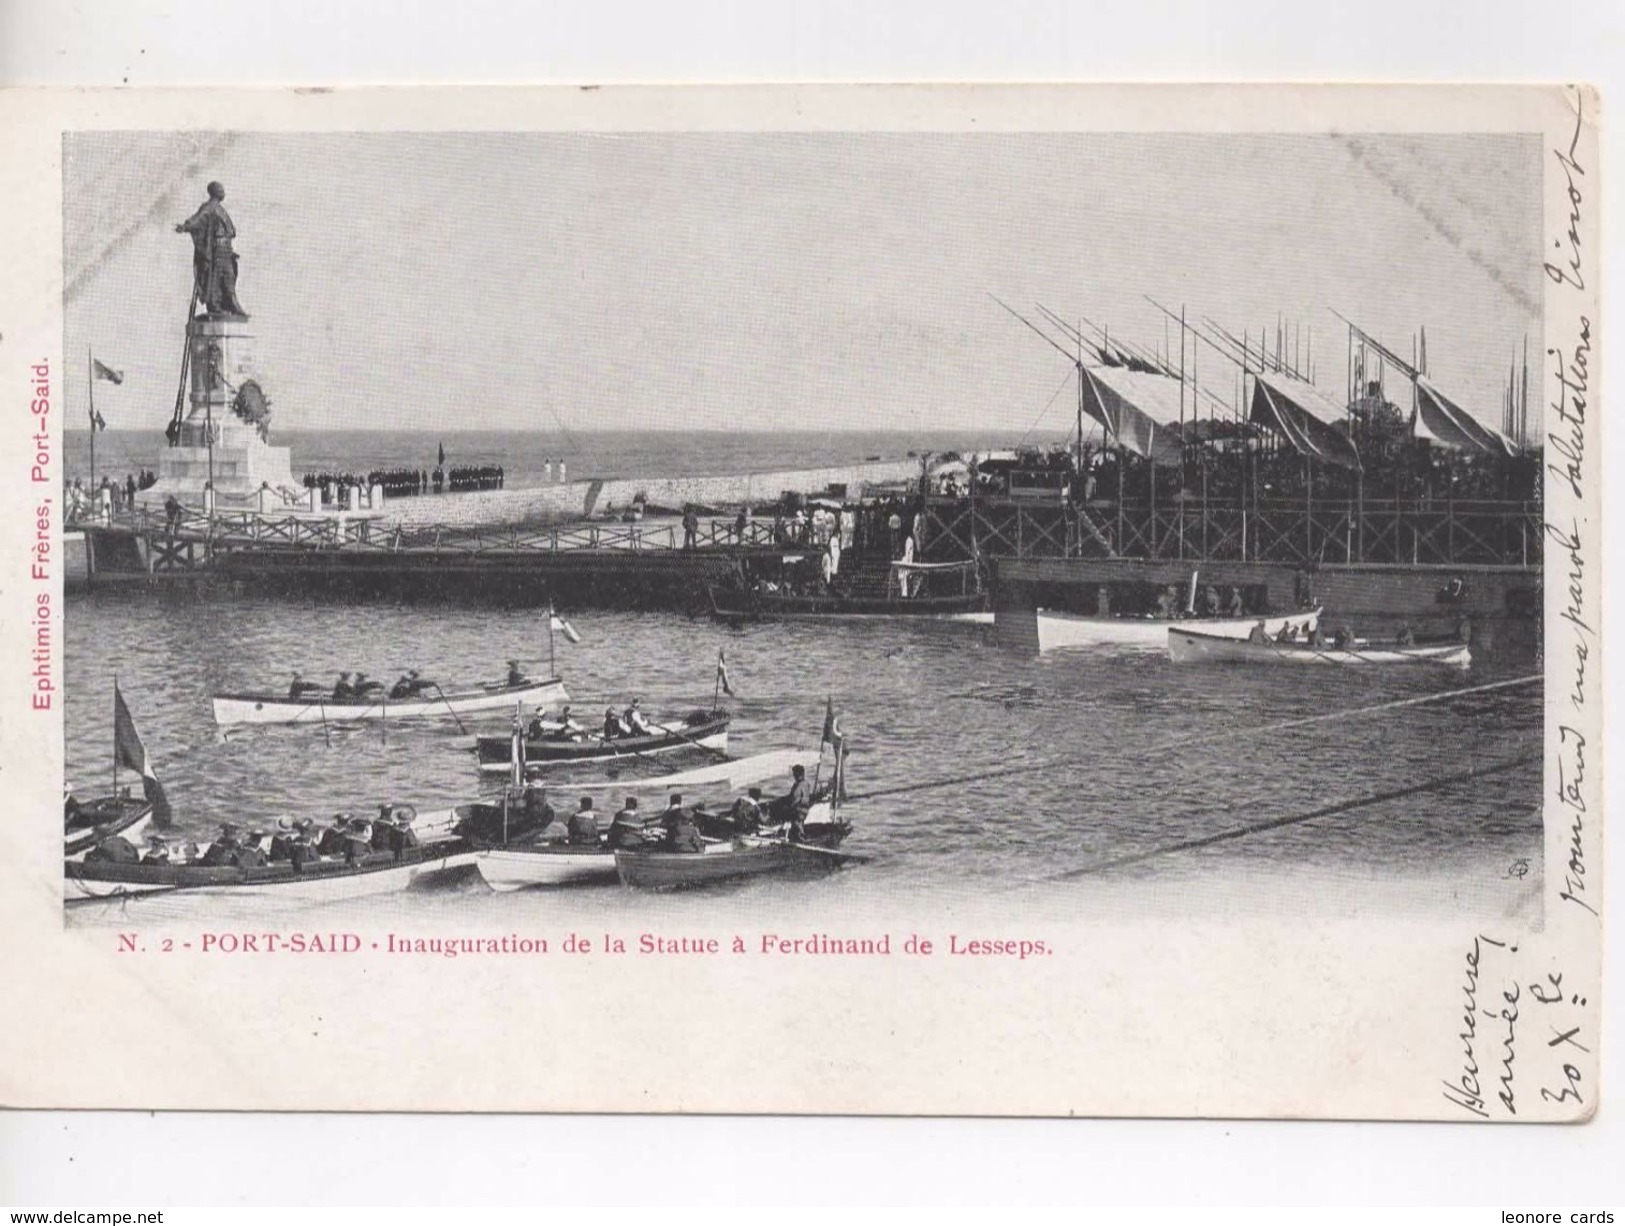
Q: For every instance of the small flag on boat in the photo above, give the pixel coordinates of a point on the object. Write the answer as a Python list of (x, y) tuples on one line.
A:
[(556, 622), (104, 371), (516, 748), (722, 674), (832, 726), (129, 751)]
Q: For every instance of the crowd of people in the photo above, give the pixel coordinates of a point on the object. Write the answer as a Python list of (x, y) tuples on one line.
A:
[(473, 477), (679, 827), (346, 837), (110, 495), (335, 487)]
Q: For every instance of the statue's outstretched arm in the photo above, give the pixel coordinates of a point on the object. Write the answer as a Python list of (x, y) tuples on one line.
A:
[(195, 221)]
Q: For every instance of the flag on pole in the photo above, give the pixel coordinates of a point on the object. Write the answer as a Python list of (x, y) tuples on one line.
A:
[(103, 371), (832, 726), (557, 623), (97, 421), (129, 751), (722, 674), (516, 749)]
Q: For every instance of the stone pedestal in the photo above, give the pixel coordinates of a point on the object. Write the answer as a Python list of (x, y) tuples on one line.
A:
[(242, 463)]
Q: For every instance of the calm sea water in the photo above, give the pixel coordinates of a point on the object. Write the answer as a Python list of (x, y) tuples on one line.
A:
[(524, 456), (1136, 754)]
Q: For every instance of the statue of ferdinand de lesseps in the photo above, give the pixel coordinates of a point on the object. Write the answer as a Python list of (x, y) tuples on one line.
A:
[(214, 263)]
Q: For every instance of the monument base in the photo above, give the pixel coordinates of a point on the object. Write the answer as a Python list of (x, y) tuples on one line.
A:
[(241, 465)]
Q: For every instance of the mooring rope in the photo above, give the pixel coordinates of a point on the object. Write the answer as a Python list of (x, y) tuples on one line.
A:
[(1239, 832), (1004, 772)]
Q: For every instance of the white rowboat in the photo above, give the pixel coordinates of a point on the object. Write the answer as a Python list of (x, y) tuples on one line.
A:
[(518, 868), (1189, 647), (319, 708), (1058, 630)]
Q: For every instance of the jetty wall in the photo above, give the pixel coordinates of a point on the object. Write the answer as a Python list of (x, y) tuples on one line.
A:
[(575, 500)]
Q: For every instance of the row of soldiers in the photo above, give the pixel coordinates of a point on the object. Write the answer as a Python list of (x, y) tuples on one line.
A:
[(680, 827), (293, 842), (474, 477)]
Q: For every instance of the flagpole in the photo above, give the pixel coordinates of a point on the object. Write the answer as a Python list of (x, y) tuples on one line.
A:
[(552, 665), (716, 688), (115, 735), (90, 369)]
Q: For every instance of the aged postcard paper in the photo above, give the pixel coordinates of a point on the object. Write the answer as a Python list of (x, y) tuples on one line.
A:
[(1021, 601)]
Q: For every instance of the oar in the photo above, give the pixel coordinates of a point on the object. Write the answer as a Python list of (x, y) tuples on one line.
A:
[(721, 756), (461, 727)]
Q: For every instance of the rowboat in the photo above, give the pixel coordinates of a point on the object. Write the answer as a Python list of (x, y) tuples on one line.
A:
[(701, 730), (320, 880), (544, 864), (1191, 647), (102, 818), (745, 856), (1058, 630), (323, 708), (736, 605)]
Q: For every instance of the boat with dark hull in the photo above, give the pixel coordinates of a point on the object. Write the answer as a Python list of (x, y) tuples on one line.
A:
[(813, 853), (321, 879), (95, 820), (704, 730)]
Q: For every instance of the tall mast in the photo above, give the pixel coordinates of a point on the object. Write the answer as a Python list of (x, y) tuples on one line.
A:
[(90, 370)]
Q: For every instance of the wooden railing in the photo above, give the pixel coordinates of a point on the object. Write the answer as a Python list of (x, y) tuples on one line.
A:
[(1412, 532), (231, 528)]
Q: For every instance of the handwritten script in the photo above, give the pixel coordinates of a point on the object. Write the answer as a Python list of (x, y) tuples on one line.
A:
[(1516, 1024), (1567, 529)]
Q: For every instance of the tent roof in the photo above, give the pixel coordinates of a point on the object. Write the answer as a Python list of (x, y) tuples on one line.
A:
[(1441, 419), (1141, 409), (1305, 416)]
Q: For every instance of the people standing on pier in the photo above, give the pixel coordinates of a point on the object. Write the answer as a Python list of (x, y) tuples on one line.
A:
[(691, 527)]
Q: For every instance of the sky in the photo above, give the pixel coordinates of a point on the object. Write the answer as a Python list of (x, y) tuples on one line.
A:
[(767, 281)]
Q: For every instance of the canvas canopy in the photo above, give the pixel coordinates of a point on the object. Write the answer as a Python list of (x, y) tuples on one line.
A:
[(1306, 417), (1140, 409), (1441, 419)]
